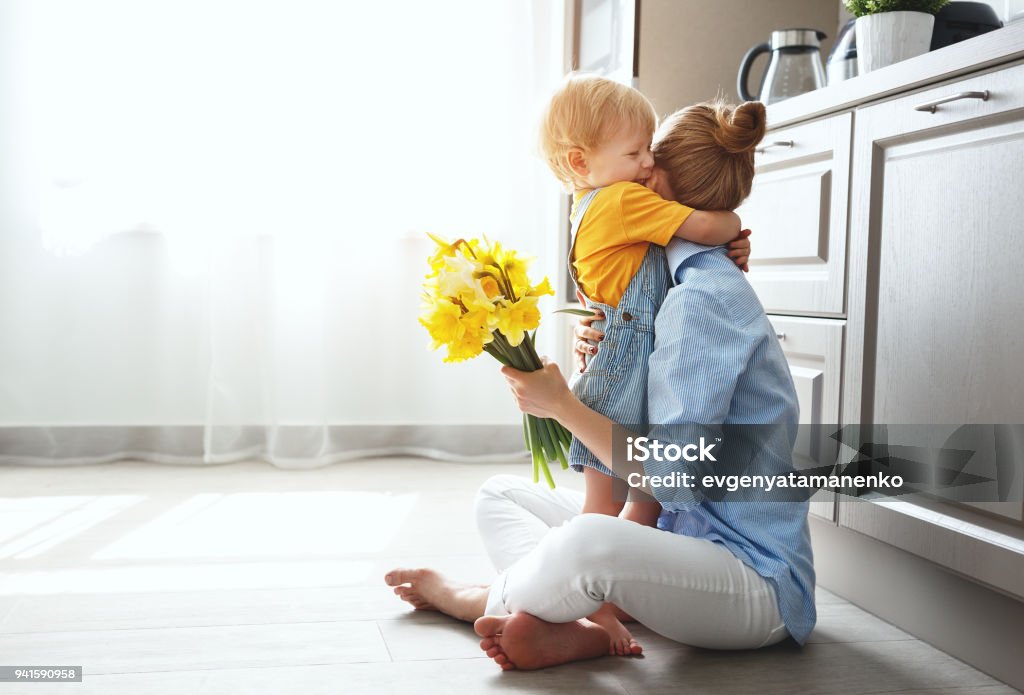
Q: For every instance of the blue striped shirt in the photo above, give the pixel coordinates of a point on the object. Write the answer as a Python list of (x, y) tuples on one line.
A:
[(716, 361)]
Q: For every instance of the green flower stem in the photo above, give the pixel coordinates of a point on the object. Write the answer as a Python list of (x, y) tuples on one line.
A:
[(493, 352), (532, 351), (546, 453), (513, 355), (547, 475), (508, 285), (536, 449), (545, 440), (559, 442), (565, 435), (552, 435)]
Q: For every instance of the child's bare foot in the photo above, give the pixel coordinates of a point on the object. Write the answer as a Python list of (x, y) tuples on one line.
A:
[(428, 590), (522, 641), (621, 642)]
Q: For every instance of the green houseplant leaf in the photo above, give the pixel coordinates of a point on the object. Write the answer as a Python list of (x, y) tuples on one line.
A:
[(859, 8)]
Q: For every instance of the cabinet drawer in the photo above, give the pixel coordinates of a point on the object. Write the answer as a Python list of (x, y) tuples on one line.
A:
[(814, 350), (978, 96), (797, 210)]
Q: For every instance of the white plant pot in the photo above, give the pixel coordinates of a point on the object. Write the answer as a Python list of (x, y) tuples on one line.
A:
[(889, 37)]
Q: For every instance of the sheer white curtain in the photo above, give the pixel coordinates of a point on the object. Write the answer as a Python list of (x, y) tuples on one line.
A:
[(213, 221)]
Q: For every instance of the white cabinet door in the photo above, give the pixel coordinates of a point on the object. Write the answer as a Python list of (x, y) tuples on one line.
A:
[(797, 210), (936, 297), (814, 349)]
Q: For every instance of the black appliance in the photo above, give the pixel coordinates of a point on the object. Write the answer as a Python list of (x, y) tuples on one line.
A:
[(959, 21)]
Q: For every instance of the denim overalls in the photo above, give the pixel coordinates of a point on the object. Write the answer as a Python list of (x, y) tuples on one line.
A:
[(615, 381)]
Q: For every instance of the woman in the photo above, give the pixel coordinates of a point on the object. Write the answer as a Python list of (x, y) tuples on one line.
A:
[(715, 573)]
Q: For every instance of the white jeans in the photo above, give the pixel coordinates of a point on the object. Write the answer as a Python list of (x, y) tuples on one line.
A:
[(561, 565)]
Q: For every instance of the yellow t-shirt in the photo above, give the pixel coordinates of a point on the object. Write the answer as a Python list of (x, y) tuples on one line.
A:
[(622, 221)]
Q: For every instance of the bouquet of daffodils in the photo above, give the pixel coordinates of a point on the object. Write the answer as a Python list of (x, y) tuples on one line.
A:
[(478, 298)]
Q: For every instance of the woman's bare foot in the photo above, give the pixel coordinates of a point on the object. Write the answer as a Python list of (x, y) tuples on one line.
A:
[(525, 642), (621, 641), (427, 590)]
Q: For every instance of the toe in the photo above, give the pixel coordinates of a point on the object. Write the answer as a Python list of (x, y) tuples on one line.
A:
[(490, 625), (401, 576), (487, 642)]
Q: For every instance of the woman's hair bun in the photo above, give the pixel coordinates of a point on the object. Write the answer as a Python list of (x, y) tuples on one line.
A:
[(740, 128)]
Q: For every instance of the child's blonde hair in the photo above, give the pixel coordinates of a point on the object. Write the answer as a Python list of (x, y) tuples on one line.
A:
[(707, 151), (583, 113)]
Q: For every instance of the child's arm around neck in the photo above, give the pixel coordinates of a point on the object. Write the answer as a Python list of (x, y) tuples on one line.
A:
[(707, 227), (710, 227)]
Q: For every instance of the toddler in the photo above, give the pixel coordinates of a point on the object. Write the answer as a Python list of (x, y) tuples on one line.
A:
[(596, 137)]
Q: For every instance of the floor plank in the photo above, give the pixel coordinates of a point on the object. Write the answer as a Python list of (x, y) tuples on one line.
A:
[(833, 669), (478, 676), (190, 648)]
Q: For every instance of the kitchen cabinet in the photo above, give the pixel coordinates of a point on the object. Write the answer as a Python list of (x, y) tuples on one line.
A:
[(921, 290), (936, 293), (929, 328), (813, 348), (798, 205)]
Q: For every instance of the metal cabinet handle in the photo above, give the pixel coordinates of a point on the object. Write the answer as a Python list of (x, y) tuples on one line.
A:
[(933, 106), (780, 336), (778, 143)]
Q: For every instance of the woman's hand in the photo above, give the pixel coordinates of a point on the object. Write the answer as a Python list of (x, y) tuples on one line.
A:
[(739, 250), (586, 339), (543, 393)]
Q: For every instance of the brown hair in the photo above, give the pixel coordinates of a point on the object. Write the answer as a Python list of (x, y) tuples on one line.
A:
[(584, 112), (707, 152)]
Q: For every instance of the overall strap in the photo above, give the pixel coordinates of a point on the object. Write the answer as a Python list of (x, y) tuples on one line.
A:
[(577, 219)]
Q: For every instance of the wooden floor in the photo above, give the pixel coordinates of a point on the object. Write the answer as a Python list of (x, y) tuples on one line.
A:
[(248, 579)]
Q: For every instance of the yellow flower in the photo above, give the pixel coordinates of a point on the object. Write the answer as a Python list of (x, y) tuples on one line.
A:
[(515, 267), (517, 318), (490, 286), (444, 250), (468, 345), (458, 279), (488, 253), (442, 321), (481, 321), (431, 289), (540, 290)]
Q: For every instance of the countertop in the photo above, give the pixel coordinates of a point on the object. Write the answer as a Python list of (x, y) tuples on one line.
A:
[(994, 48)]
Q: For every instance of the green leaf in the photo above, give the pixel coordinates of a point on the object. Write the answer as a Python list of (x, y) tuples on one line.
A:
[(576, 312), (859, 8)]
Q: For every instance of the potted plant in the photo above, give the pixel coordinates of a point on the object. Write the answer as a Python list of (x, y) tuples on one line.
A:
[(889, 31)]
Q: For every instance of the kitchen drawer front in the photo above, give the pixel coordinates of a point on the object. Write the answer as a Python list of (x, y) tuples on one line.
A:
[(797, 210), (814, 350), (953, 102)]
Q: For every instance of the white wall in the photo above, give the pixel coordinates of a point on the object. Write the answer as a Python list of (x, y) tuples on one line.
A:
[(691, 49)]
